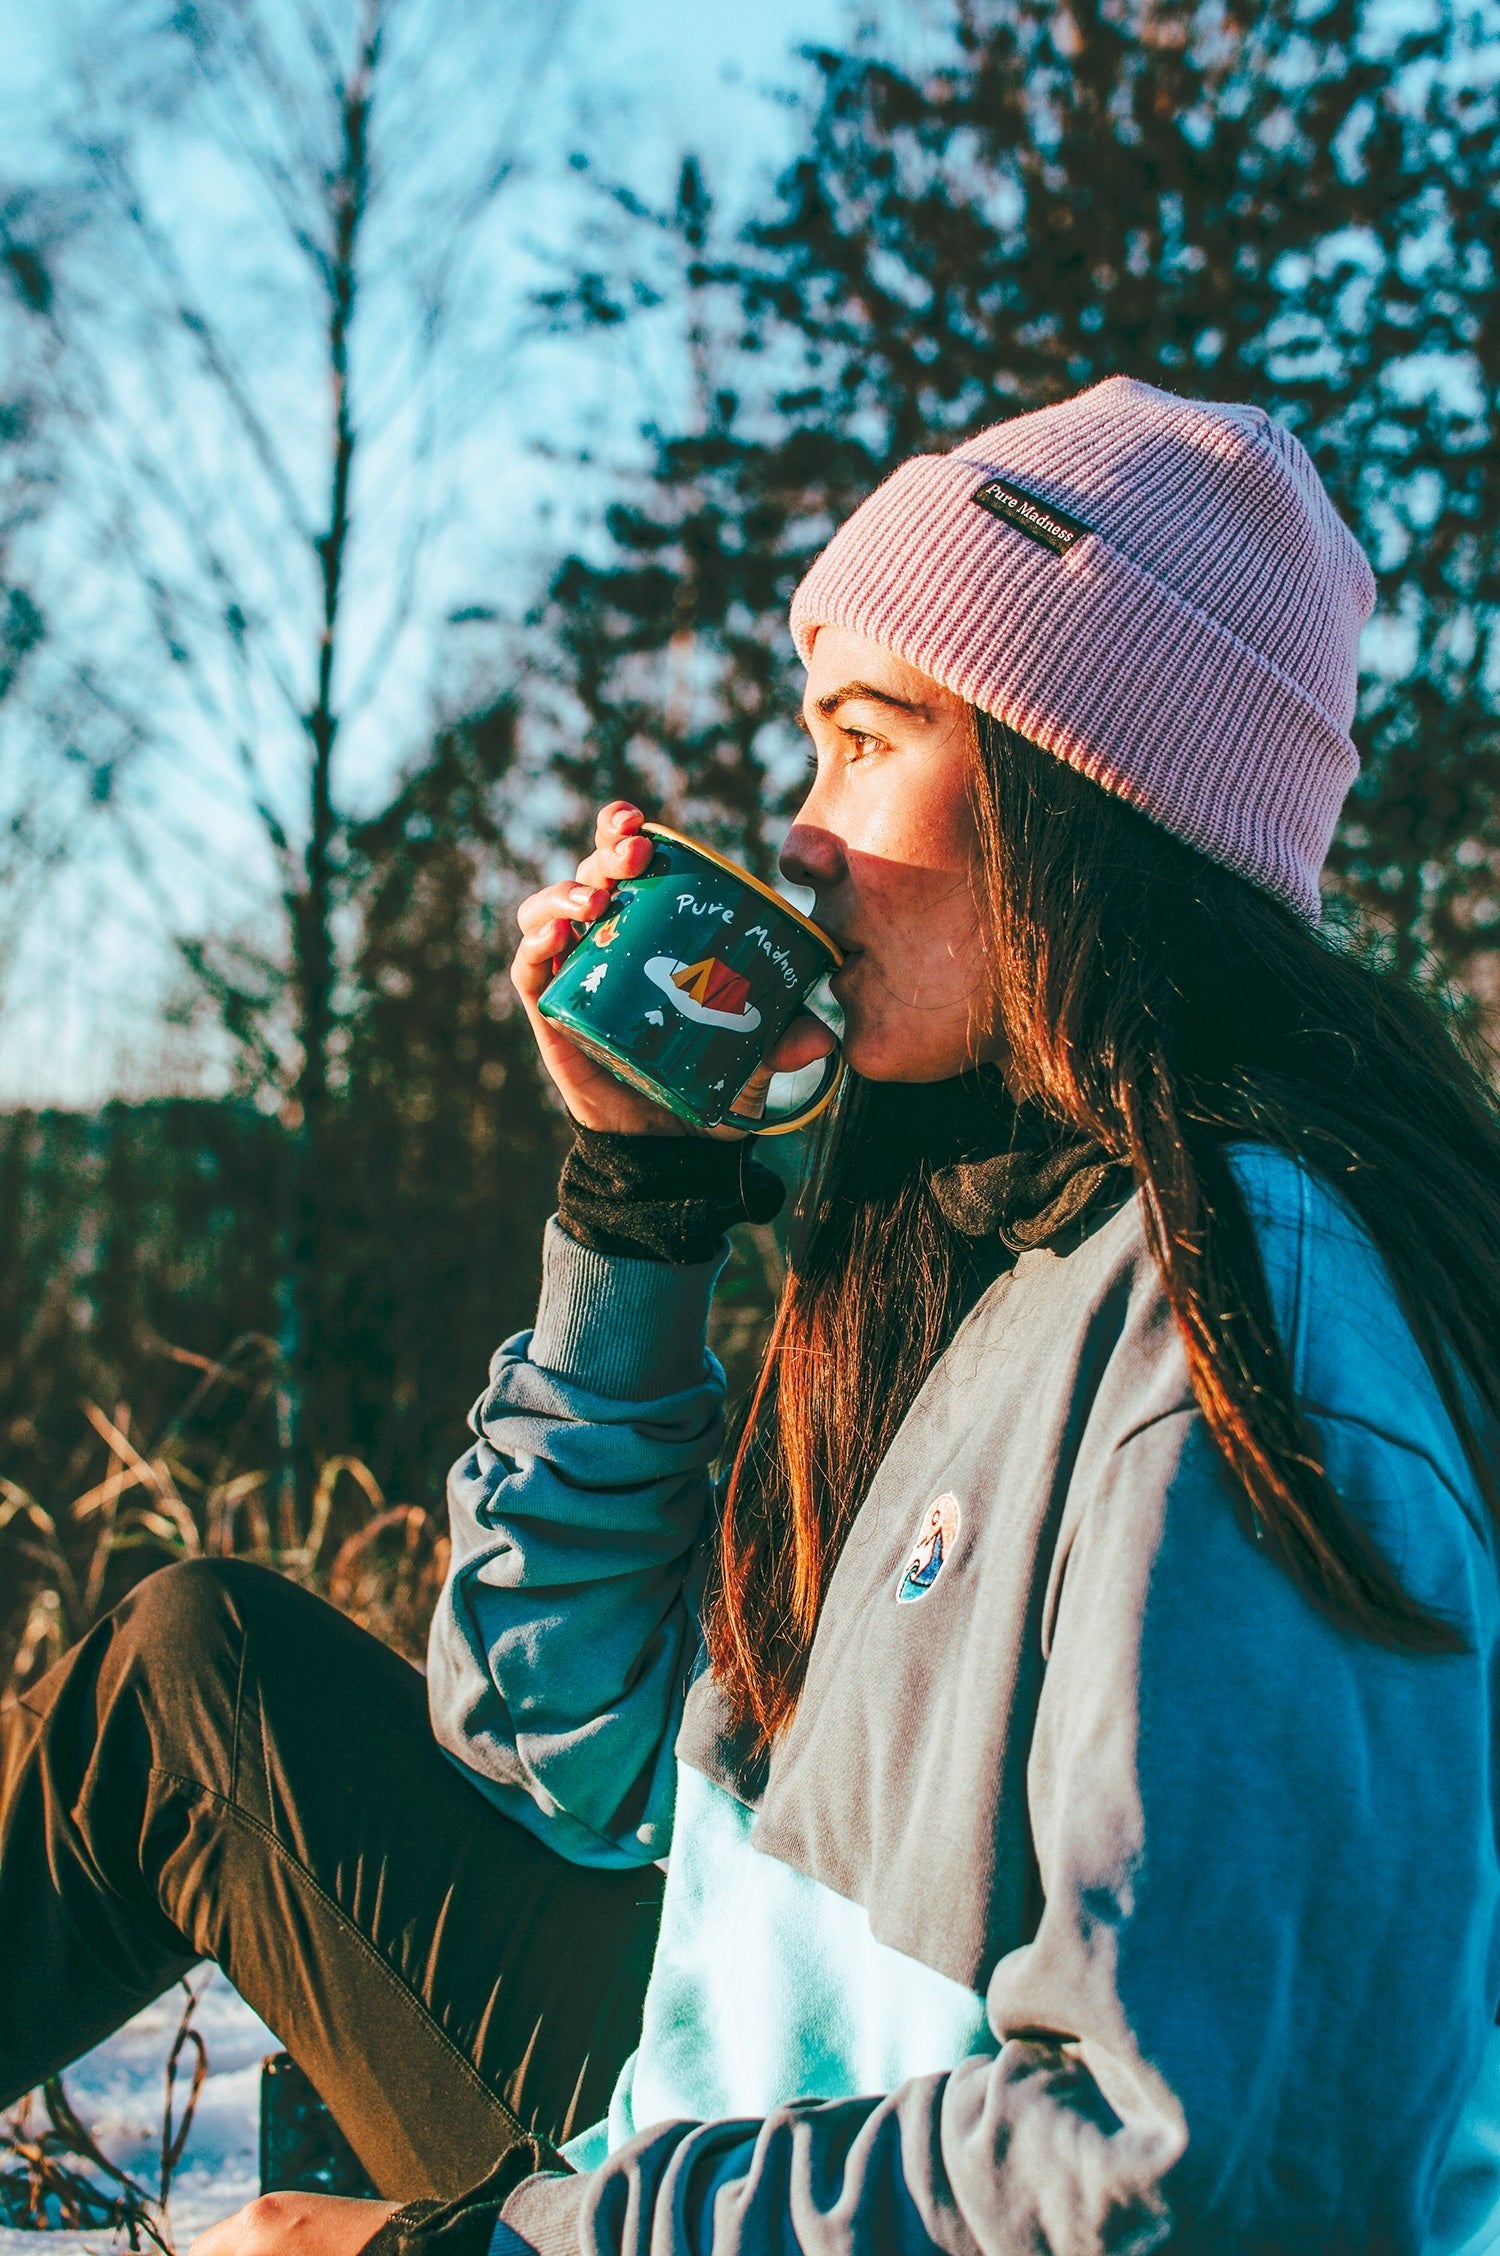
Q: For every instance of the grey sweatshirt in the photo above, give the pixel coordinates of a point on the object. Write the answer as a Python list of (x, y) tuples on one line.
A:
[(1225, 1874)]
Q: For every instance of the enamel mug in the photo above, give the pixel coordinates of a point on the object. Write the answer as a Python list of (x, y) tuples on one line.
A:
[(688, 981)]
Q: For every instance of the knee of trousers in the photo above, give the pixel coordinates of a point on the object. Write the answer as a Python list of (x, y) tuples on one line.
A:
[(185, 1618), (152, 1695)]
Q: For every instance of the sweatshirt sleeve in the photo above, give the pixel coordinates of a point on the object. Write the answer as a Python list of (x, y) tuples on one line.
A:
[(1259, 1990), (566, 1629)]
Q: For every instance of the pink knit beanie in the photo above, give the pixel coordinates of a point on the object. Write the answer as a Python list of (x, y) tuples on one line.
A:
[(1157, 590)]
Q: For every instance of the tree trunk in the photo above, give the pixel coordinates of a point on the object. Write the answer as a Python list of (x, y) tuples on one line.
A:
[(315, 968)]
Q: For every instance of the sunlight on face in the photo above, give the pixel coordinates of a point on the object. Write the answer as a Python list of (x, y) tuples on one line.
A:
[(886, 839)]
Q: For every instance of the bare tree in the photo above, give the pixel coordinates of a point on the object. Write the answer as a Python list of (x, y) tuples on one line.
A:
[(25, 295), (273, 355)]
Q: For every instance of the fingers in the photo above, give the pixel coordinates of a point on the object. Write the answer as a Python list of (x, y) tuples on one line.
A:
[(616, 821), (620, 852), (568, 902), (549, 920)]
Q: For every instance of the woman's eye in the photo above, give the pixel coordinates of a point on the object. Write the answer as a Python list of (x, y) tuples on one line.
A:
[(852, 744)]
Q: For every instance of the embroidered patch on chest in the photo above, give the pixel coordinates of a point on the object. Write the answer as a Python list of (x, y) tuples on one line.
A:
[(936, 1537)]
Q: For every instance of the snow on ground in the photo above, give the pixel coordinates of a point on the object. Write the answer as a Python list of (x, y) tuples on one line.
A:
[(117, 2091)]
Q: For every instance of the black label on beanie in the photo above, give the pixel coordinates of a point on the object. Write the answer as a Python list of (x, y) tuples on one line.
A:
[(1040, 520)]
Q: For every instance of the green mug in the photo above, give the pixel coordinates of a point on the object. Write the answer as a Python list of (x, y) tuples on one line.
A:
[(688, 981)]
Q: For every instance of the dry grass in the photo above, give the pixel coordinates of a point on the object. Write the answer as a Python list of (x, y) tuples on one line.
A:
[(151, 1498), (54, 2176)]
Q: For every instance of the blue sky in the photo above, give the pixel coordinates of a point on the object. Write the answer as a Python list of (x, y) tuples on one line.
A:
[(639, 84)]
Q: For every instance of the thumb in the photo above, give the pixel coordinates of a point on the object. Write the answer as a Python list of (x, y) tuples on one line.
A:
[(805, 1041)]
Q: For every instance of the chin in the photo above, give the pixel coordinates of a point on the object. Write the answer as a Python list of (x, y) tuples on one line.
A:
[(879, 1053), (887, 1041)]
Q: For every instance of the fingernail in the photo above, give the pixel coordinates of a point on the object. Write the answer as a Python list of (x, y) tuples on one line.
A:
[(580, 895)]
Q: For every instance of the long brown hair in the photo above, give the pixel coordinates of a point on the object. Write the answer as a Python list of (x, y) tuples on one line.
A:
[(1164, 1006)]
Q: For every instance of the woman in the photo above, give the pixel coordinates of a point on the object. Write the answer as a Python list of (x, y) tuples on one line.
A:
[(1074, 1725)]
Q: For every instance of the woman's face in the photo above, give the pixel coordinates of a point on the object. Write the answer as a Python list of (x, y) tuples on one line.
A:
[(886, 839)]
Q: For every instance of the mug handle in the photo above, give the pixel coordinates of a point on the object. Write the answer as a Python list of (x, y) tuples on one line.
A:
[(821, 1098)]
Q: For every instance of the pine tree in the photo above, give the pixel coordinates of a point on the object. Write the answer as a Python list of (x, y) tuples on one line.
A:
[(1287, 204)]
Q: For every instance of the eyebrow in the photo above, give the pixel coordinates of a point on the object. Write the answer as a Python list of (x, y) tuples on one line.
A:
[(829, 704)]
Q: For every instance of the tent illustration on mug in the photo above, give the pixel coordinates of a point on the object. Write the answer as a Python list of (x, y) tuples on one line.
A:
[(707, 992)]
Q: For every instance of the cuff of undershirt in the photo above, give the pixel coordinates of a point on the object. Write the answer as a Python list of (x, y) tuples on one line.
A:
[(540, 2218), (628, 1328)]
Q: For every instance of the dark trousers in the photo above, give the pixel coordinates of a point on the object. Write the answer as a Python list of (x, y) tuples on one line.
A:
[(226, 1768)]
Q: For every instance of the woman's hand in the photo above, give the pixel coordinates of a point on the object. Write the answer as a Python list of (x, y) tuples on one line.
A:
[(295, 2224), (593, 1096)]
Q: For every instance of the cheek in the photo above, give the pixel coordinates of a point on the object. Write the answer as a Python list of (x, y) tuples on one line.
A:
[(915, 915), (915, 869), (928, 831)]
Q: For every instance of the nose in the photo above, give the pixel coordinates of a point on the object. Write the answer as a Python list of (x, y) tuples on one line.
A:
[(812, 856)]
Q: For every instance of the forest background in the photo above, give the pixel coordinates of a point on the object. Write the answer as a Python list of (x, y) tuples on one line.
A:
[(297, 698)]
